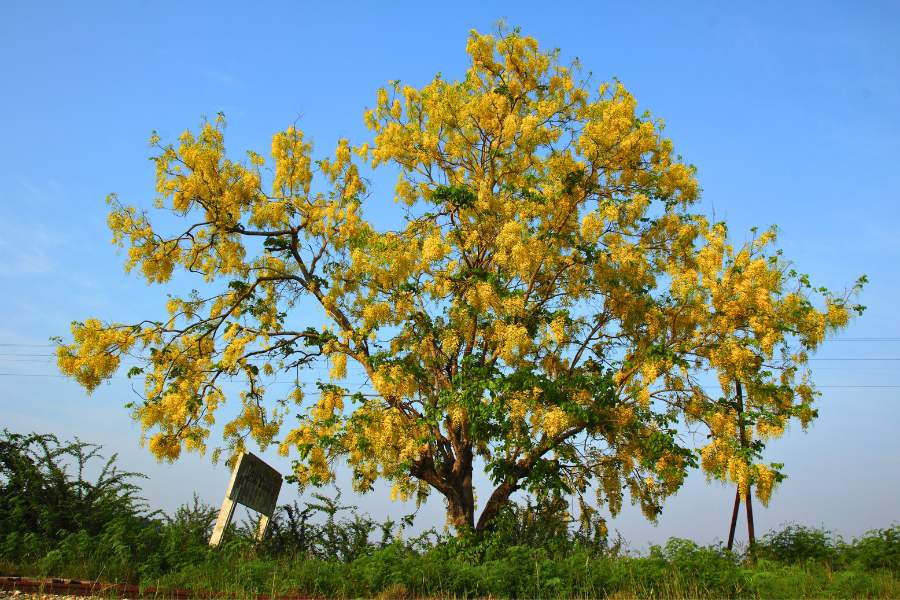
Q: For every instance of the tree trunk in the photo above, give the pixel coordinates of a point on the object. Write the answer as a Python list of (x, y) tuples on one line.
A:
[(455, 485), (454, 482), (751, 533), (734, 516), (495, 503), (461, 504)]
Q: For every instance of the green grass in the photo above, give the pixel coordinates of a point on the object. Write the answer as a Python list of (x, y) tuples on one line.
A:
[(56, 523), (453, 569)]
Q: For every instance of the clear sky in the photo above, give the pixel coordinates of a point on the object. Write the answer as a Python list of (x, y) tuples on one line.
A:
[(791, 114)]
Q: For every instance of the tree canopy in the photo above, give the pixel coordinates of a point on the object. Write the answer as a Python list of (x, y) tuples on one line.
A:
[(551, 306)]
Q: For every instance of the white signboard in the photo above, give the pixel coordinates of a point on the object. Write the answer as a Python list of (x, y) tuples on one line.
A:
[(253, 484)]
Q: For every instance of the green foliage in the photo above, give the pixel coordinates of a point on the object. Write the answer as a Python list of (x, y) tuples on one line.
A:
[(45, 492), (324, 528), (795, 544), (878, 549), (324, 548), (537, 523)]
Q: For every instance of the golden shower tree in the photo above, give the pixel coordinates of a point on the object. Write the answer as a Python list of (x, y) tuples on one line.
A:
[(548, 306)]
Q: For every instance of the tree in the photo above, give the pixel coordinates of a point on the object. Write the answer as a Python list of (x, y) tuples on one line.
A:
[(761, 390), (549, 304)]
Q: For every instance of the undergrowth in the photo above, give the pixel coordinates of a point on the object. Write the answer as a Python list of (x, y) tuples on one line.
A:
[(54, 522)]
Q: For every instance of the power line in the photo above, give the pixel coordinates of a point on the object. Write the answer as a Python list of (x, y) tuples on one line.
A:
[(848, 386), (865, 339), (864, 359), (857, 387), (841, 339), (259, 358), (130, 362)]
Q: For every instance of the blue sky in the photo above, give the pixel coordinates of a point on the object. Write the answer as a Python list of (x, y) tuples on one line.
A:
[(791, 114)]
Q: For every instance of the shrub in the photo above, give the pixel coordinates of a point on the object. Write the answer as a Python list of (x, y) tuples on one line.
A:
[(44, 489), (878, 549), (795, 544), (324, 548)]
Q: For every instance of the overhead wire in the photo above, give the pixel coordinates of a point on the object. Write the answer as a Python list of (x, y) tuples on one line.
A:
[(277, 381), (32, 357)]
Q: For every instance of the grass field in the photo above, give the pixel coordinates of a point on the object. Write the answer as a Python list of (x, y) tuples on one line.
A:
[(792, 563), (53, 525)]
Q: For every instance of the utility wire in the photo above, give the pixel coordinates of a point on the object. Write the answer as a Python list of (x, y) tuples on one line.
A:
[(263, 358), (834, 387), (841, 339)]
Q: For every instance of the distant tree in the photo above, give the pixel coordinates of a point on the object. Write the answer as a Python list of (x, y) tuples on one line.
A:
[(549, 304), (765, 384)]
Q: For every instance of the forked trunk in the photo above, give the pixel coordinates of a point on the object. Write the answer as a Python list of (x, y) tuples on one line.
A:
[(461, 514), (461, 504), (495, 504), (460, 498)]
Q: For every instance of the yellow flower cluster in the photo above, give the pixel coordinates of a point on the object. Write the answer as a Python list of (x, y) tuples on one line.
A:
[(555, 421), (547, 235), (95, 352)]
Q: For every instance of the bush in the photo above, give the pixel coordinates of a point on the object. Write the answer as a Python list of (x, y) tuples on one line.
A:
[(796, 544), (39, 494), (878, 549), (324, 548)]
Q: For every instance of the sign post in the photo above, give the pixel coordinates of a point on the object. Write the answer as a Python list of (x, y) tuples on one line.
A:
[(253, 484)]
